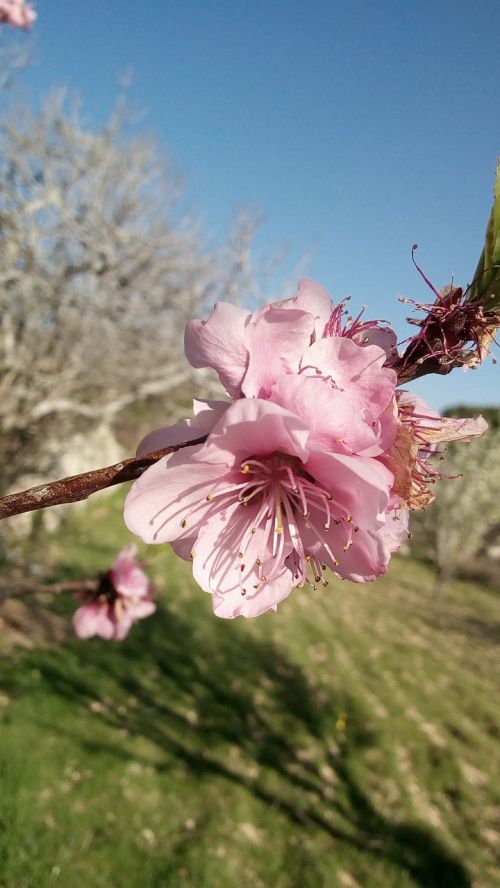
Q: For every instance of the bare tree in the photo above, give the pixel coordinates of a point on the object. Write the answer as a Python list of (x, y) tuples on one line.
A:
[(99, 271)]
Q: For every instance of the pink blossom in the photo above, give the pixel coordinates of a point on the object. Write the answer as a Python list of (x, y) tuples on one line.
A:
[(260, 508), (250, 352), (299, 354), (17, 13), (314, 467), (122, 596)]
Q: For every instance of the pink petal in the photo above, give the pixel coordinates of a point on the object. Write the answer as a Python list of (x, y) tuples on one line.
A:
[(183, 548), (156, 506), (358, 371), (236, 582), (253, 426), (334, 419), (219, 342), (382, 337), (139, 610), (360, 556), (358, 484), (93, 619), (122, 627), (232, 605), (313, 298), (276, 339), (206, 414), (127, 575)]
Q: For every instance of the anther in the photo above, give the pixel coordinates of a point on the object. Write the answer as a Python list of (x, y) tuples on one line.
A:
[(183, 523)]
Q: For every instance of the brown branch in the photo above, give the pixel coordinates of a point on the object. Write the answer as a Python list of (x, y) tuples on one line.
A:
[(79, 487), (9, 590)]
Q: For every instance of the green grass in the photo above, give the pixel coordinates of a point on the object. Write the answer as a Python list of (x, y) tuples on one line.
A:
[(350, 740)]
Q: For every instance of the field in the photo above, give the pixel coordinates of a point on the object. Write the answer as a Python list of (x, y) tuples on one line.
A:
[(350, 740)]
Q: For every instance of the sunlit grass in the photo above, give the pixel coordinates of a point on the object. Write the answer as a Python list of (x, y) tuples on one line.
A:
[(349, 740)]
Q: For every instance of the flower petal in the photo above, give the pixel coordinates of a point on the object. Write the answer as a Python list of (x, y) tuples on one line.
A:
[(313, 298), (276, 339), (219, 342), (357, 370), (359, 485), (335, 420), (93, 619), (252, 427), (206, 414), (157, 505), (246, 584)]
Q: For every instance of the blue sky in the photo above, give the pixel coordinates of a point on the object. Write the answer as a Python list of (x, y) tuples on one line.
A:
[(357, 128)]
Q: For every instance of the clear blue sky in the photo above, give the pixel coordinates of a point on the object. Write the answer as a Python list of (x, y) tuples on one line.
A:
[(358, 128)]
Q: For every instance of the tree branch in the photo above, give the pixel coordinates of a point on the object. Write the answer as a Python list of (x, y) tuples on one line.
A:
[(11, 590), (79, 487)]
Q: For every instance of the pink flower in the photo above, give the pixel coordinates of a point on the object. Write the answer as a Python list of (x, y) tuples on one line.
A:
[(122, 596), (298, 354), (250, 352), (260, 508), (17, 13), (313, 467)]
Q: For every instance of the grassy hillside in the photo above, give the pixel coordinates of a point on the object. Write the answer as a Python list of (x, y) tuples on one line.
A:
[(350, 740)]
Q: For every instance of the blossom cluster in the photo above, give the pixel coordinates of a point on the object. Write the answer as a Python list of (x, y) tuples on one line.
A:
[(17, 13), (121, 597), (310, 468)]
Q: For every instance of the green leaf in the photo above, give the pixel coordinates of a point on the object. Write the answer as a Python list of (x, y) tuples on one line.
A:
[(486, 284)]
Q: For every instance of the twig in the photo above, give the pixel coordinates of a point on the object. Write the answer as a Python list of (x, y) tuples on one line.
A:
[(8, 590), (79, 487)]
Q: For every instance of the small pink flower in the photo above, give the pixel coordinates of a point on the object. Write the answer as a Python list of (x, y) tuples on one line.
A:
[(122, 596), (17, 13), (259, 508)]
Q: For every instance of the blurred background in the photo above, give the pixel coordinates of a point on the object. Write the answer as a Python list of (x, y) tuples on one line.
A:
[(154, 159)]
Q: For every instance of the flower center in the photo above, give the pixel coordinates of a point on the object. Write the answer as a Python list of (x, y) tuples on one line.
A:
[(288, 505)]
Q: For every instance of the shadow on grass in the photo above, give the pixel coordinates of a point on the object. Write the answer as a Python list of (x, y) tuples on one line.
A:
[(195, 691)]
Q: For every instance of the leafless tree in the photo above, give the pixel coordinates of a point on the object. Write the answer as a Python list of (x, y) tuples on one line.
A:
[(99, 270)]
